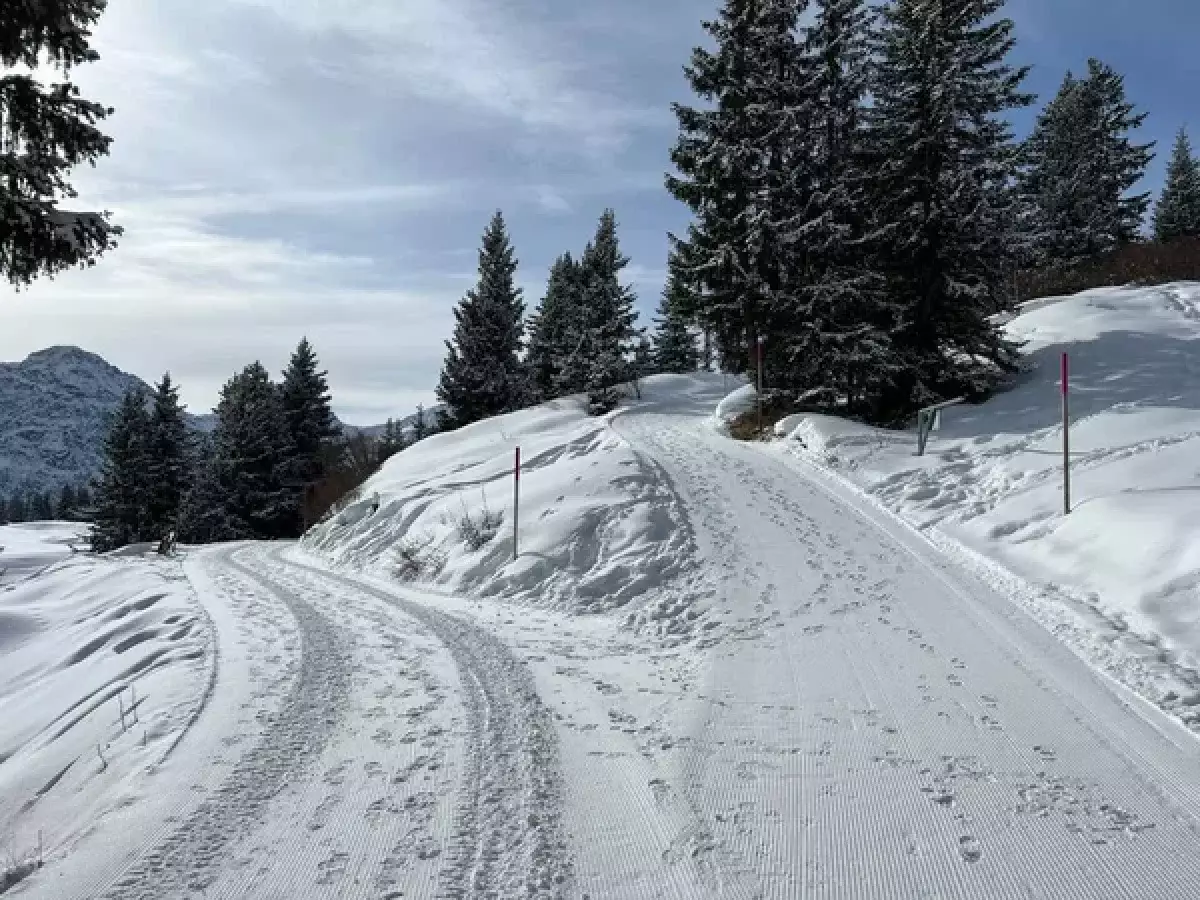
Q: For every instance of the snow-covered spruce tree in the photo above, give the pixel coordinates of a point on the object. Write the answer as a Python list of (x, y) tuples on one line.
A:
[(743, 163), (1078, 167), (1178, 211), (253, 451), (204, 512), (553, 329), (123, 491), (942, 160), (674, 344), (609, 318), (168, 460), (483, 375), (421, 428), (66, 503), (839, 350), (47, 128), (311, 424)]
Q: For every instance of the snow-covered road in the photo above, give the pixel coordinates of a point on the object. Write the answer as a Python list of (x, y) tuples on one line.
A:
[(883, 726), (854, 717)]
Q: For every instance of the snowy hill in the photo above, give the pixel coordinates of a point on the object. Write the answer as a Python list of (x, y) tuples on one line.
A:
[(1119, 578), (53, 411)]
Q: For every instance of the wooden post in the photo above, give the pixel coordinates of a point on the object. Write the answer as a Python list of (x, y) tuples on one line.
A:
[(516, 499), (1066, 416)]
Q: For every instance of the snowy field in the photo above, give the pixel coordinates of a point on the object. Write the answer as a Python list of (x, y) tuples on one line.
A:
[(814, 667)]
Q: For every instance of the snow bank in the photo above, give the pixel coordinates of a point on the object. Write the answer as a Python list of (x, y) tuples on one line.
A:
[(73, 639), (733, 406), (599, 527), (992, 479)]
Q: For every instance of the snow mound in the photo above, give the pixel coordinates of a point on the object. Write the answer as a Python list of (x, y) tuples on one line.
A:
[(1126, 561), (599, 527), (77, 640), (733, 406)]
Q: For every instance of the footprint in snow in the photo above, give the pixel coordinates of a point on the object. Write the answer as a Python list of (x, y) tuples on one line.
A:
[(969, 849)]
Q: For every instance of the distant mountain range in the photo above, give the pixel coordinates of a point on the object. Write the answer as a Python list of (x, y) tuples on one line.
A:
[(54, 412)]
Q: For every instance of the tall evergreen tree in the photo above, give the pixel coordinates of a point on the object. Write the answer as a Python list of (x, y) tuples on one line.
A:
[(66, 503), (17, 510), (3, 510), (122, 491), (942, 160), (205, 515), (83, 500), (1078, 167), (310, 420), (674, 345), (554, 330), (252, 453), (482, 375), (420, 426), (743, 159), (610, 334), (1178, 212), (46, 129), (168, 460)]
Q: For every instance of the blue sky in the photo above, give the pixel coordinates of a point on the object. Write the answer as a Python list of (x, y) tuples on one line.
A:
[(325, 167)]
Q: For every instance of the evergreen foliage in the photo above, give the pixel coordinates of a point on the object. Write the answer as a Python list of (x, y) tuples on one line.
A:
[(253, 450), (47, 128), (168, 460), (204, 514), (942, 162), (554, 331), (3, 510), (609, 335), (421, 427), (17, 510), (482, 375), (1078, 167), (1178, 211), (312, 426), (674, 345), (122, 491), (67, 503)]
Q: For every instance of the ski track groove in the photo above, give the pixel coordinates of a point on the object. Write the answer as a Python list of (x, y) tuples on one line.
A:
[(191, 857), (508, 837)]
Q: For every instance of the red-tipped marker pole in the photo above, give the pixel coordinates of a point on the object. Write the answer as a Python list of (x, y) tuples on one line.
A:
[(516, 497), (1066, 413)]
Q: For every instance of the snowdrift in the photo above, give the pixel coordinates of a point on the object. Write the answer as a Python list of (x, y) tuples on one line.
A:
[(1127, 558), (78, 637), (599, 527)]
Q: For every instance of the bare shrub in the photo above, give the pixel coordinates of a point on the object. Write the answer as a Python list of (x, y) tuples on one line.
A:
[(416, 557), (478, 533)]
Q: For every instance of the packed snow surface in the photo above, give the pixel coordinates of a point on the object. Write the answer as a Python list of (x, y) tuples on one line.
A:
[(715, 670)]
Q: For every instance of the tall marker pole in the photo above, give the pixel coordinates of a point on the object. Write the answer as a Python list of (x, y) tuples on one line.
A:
[(1066, 413), (760, 384), (516, 498)]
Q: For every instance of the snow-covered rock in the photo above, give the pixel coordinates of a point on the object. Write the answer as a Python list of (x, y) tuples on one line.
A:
[(734, 406)]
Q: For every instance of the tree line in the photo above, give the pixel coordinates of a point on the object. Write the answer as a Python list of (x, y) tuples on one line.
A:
[(860, 202), (275, 462), (71, 503), (582, 338)]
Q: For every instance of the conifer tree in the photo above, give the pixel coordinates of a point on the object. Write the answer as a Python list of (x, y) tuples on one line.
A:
[(3, 510), (83, 499), (1078, 167), (252, 449), (66, 503), (554, 331), (311, 423), (17, 511), (482, 375), (609, 317), (1178, 212), (743, 162), (122, 491), (46, 129), (941, 192), (420, 426), (168, 460), (204, 512), (674, 345)]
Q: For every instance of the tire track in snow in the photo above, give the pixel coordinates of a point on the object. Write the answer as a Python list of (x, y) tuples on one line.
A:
[(191, 857), (508, 838)]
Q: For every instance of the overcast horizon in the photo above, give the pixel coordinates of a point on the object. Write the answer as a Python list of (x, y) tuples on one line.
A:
[(289, 168)]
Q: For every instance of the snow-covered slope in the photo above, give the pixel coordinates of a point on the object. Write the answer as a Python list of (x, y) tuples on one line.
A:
[(1119, 577), (599, 527), (79, 638)]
